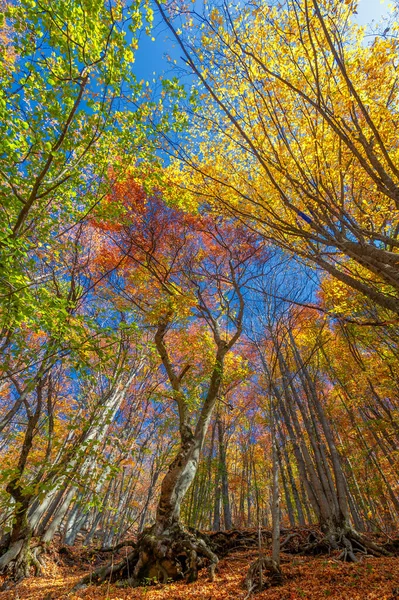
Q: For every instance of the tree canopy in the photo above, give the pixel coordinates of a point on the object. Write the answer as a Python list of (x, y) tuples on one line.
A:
[(198, 289)]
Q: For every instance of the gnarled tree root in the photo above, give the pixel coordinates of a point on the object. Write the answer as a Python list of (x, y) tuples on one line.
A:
[(263, 573), (169, 555), (349, 543), (20, 559), (224, 542)]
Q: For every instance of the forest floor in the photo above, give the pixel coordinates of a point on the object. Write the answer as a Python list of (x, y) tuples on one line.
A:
[(305, 577)]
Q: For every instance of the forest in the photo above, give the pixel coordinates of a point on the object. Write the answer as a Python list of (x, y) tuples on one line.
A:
[(199, 300)]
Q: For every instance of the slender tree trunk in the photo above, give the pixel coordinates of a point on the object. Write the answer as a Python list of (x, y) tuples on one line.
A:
[(224, 476), (295, 493), (275, 490), (154, 479), (59, 515), (287, 495), (216, 508)]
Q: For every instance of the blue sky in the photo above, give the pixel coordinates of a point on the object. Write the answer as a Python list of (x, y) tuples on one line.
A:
[(369, 10)]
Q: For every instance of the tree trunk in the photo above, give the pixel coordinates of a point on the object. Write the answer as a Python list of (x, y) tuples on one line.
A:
[(275, 492), (216, 505), (15, 560), (223, 476)]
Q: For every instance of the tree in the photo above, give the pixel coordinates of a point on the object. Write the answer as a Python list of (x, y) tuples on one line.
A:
[(179, 269), (296, 382), (69, 100), (42, 474)]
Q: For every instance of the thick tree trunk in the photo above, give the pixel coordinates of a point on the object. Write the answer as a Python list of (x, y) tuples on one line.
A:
[(166, 551), (177, 480), (15, 560), (20, 555)]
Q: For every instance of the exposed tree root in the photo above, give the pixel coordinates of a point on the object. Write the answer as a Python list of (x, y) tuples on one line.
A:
[(158, 557), (349, 543), (20, 559), (109, 572), (263, 573), (224, 542)]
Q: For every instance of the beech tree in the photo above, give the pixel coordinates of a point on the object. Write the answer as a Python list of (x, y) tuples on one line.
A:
[(50, 466), (62, 117), (178, 269)]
